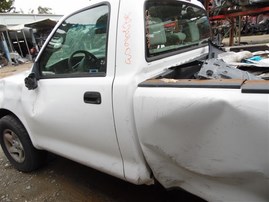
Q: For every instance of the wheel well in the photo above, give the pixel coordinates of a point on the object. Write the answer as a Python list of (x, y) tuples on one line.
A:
[(4, 112)]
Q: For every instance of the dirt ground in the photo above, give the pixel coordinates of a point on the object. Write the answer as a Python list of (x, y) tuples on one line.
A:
[(10, 70), (62, 180)]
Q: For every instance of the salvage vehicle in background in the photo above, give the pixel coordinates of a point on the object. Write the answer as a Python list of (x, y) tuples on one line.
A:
[(134, 89)]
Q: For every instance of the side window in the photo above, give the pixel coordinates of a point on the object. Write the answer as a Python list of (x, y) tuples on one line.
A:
[(79, 46), (174, 26)]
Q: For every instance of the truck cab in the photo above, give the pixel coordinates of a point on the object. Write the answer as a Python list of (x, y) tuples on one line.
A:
[(94, 60)]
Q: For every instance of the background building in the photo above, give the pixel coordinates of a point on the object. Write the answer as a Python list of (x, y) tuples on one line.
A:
[(22, 35)]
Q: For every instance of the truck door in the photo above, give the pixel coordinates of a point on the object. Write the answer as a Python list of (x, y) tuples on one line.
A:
[(70, 112)]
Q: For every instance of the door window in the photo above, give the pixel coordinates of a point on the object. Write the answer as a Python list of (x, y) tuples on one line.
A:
[(79, 45)]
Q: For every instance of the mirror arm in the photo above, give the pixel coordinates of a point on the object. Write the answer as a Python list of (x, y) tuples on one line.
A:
[(36, 71)]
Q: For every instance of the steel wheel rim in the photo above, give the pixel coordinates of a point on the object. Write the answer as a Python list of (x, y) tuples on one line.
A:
[(14, 146)]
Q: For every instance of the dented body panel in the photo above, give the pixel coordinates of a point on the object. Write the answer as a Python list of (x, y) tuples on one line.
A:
[(211, 141)]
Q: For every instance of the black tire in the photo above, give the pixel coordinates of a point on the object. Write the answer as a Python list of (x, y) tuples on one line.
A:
[(18, 147)]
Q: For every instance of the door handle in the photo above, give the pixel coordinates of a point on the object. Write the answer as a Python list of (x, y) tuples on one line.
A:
[(92, 98)]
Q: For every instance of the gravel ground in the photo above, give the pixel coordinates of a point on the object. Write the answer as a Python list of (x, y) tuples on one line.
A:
[(62, 180)]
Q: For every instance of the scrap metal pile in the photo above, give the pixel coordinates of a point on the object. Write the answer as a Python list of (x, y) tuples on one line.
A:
[(244, 65)]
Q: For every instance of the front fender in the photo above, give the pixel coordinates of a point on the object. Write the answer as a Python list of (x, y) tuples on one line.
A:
[(12, 90)]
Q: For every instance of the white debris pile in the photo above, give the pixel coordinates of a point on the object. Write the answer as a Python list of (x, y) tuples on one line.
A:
[(259, 58), (17, 59)]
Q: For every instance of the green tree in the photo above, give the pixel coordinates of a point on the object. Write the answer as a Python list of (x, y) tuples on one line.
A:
[(6, 6), (44, 10)]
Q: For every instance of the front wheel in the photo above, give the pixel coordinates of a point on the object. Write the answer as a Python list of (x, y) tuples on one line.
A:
[(17, 145)]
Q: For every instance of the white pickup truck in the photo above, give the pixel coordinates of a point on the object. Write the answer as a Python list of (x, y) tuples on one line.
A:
[(118, 87)]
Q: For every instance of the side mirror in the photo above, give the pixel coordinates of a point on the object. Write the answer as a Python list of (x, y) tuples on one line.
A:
[(31, 81)]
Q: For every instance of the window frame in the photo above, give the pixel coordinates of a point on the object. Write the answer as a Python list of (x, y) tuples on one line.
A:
[(80, 74)]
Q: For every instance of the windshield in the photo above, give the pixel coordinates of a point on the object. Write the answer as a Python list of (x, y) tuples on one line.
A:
[(173, 26)]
